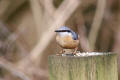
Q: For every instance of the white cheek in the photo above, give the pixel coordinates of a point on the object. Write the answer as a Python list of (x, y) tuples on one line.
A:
[(62, 34)]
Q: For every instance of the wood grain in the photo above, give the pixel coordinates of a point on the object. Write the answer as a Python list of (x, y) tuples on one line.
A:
[(100, 67)]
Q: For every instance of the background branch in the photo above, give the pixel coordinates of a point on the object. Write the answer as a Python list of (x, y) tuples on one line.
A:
[(15, 72), (49, 6), (37, 10), (7, 7), (101, 5)]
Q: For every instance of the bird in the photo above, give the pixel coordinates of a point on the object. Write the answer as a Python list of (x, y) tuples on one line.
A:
[(67, 39)]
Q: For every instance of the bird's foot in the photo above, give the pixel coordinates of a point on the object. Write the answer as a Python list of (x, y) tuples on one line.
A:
[(75, 51)]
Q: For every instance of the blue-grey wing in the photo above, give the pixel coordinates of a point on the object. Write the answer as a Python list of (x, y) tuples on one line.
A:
[(75, 35)]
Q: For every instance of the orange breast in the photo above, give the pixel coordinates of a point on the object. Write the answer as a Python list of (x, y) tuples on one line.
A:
[(67, 42)]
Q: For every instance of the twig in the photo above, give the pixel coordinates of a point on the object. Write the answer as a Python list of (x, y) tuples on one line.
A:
[(84, 44), (83, 38), (101, 5), (8, 66), (13, 36), (49, 7), (37, 9), (116, 45), (7, 7)]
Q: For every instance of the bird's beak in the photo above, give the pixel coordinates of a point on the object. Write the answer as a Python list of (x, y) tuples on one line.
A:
[(57, 30)]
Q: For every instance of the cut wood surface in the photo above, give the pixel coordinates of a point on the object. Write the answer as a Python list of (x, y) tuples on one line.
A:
[(95, 67)]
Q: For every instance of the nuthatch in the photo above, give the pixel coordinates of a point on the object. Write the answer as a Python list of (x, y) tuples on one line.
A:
[(67, 38)]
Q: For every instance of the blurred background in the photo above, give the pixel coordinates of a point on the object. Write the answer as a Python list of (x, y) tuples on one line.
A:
[(27, 34)]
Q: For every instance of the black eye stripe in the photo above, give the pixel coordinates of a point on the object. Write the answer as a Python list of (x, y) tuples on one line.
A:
[(62, 31)]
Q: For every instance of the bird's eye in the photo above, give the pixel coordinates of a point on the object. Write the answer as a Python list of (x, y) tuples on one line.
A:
[(68, 31)]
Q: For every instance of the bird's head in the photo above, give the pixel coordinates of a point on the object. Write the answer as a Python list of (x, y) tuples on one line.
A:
[(63, 31)]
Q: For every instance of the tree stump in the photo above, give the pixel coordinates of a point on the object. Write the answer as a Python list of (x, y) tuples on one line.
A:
[(102, 66)]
